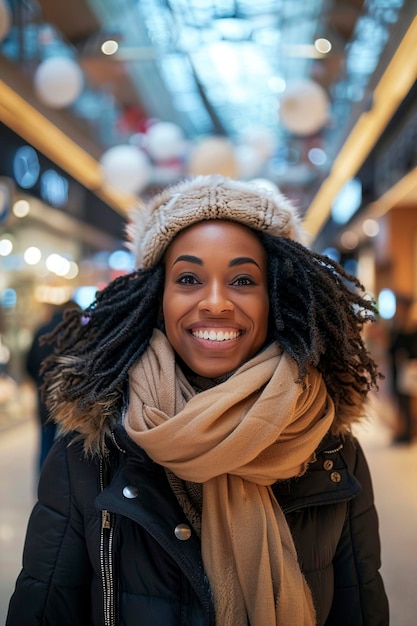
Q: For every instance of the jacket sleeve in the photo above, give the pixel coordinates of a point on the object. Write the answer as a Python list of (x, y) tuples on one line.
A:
[(54, 584), (359, 595)]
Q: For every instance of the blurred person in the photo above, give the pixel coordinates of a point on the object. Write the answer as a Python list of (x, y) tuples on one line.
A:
[(37, 353), (205, 473), (8, 386), (4, 350), (402, 346)]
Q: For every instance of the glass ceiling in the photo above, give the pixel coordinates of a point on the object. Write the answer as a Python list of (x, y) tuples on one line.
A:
[(224, 64), (221, 67)]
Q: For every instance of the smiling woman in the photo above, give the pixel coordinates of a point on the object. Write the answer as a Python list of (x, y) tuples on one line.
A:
[(215, 306), (206, 473)]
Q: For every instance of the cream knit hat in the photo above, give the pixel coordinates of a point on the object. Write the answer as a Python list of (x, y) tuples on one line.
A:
[(154, 226)]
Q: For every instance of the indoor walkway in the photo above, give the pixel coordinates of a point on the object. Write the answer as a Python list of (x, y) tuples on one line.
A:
[(394, 470)]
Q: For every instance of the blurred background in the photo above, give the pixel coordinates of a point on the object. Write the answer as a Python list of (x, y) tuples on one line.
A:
[(105, 102)]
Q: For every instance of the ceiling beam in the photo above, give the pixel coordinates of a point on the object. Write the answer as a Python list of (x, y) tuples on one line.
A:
[(391, 90)]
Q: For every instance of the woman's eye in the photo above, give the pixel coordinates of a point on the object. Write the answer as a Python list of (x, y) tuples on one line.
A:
[(187, 279), (242, 281)]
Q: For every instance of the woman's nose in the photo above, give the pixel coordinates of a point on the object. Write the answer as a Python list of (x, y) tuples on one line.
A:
[(215, 300)]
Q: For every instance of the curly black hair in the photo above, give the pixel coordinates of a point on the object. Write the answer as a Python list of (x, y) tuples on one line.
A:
[(317, 312)]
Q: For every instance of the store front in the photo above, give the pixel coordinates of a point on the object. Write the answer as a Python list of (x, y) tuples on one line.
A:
[(58, 241)]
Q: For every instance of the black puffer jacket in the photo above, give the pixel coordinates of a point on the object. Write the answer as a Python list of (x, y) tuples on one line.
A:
[(108, 543)]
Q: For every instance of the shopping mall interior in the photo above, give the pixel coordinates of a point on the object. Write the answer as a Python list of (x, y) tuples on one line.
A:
[(103, 103)]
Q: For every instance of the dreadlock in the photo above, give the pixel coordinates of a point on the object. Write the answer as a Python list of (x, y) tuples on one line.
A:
[(317, 312), (95, 348)]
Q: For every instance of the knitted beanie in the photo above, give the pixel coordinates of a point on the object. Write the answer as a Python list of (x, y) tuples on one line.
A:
[(154, 226)]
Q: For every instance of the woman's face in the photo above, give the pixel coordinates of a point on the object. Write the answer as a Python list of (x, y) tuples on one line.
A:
[(215, 302)]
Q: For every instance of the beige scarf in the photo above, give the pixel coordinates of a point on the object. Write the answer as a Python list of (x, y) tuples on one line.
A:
[(236, 438)]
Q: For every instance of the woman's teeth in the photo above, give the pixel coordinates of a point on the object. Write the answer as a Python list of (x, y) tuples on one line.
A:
[(213, 335)]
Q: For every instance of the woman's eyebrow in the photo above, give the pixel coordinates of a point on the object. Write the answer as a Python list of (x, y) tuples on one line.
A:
[(241, 260), (189, 258)]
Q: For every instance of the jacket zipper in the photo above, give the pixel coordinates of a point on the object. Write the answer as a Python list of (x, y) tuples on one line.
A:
[(106, 561)]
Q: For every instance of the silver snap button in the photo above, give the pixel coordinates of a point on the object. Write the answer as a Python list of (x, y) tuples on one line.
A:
[(182, 532), (130, 491)]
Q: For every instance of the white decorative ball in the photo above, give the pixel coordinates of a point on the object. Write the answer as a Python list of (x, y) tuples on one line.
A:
[(58, 82), (213, 155), (126, 168), (165, 141), (249, 161), (304, 107)]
